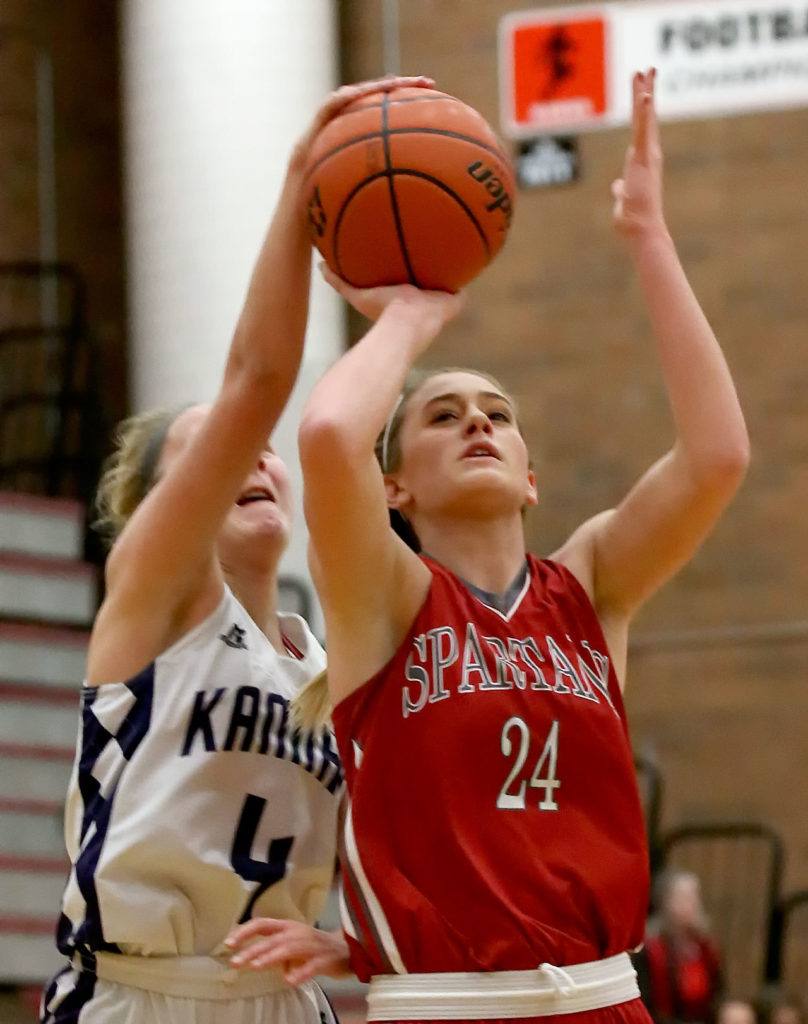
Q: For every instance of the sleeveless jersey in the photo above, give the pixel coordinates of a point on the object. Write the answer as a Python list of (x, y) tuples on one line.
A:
[(192, 804), (494, 821)]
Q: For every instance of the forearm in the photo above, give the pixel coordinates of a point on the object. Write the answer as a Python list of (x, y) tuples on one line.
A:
[(268, 341), (709, 423)]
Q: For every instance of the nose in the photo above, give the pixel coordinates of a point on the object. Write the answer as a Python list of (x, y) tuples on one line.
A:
[(478, 420), (263, 461)]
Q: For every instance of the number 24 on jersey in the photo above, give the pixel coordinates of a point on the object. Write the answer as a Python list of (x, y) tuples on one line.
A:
[(515, 741)]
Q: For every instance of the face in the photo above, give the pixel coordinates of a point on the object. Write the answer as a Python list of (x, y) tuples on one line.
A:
[(785, 1015), (736, 1012), (259, 521), (461, 452), (683, 902)]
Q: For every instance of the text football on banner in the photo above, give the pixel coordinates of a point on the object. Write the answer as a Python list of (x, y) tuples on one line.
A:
[(567, 69)]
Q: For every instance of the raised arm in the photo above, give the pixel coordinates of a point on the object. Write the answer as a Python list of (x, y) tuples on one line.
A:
[(624, 555), (369, 582), (164, 564)]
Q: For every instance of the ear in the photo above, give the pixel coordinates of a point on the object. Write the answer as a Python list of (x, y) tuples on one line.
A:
[(531, 493), (397, 497)]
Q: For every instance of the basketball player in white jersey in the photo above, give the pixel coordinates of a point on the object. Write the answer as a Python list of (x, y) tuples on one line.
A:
[(194, 804)]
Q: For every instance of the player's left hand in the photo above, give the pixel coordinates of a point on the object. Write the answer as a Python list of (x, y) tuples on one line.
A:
[(638, 194), (299, 951)]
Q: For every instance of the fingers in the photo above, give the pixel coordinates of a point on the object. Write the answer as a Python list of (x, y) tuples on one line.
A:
[(305, 972), (390, 82), (334, 280), (348, 94), (297, 950), (258, 926), (645, 136), (264, 953)]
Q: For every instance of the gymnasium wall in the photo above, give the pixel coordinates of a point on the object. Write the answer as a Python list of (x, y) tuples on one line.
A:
[(82, 39), (718, 688)]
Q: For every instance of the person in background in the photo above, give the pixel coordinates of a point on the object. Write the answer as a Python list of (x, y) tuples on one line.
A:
[(779, 1006), (736, 1011), (680, 966)]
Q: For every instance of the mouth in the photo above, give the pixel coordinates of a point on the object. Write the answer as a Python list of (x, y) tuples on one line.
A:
[(255, 494), (481, 450)]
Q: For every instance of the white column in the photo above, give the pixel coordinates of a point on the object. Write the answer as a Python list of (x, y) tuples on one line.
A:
[(215, 93)]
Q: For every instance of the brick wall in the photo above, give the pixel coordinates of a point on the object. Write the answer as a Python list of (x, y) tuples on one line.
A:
[(82, 40), (559, 319)]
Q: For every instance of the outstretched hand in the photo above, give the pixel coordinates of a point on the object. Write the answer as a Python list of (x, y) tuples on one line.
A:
[(638, 194), (345, 95), (299, 951)]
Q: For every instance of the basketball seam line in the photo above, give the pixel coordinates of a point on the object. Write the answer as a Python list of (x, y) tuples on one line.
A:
[(495, 151), (415, 174), (393, 198), (450, 192)]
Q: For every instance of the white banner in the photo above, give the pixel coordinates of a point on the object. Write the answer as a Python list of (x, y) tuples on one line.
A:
[(568, 69)]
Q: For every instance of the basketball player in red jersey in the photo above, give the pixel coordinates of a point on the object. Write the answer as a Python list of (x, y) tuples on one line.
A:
[(494, 852)]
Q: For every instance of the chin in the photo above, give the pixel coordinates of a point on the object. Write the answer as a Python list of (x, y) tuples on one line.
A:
[(271, 531)]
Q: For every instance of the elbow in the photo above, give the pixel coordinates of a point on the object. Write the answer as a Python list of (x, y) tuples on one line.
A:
[(732, 461), (723, 469), (323, 438)]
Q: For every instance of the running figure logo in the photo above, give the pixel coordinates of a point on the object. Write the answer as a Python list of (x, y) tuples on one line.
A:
[(559, 74), (234, 637), (555, 57)]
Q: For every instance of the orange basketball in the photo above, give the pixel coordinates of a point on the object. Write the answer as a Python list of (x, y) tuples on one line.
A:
[(409, 186)]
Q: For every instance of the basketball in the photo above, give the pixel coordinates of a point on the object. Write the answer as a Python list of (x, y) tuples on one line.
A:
[(409, 186)]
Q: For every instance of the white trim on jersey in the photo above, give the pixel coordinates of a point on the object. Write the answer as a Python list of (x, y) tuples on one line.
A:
[(514, 607), (345, 917), (374, 907)]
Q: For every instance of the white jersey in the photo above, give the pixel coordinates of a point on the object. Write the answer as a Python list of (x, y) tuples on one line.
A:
[(193, 805)]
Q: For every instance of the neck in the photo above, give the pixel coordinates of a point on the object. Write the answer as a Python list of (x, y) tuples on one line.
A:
[(258, 594), (486, 552)]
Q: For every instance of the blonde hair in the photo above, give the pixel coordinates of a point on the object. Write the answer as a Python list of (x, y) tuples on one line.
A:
[(311, 707), (131, 470)]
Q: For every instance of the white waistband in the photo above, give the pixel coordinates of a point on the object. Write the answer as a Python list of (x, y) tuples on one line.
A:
[(487, 995), (188, 977)]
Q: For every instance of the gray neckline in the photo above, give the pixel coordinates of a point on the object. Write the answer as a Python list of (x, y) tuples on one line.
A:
[(503, 602)]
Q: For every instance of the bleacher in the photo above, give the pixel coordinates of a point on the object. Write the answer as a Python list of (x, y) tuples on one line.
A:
[(47, 600)]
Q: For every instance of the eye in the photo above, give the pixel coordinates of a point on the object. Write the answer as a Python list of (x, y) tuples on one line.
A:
[(443, 415), (500, 415)]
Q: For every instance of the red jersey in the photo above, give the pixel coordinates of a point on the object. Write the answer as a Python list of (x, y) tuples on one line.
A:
[(493, 821)]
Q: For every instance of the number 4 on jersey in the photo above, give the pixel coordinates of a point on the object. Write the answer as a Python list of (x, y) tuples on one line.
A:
[(265, 872), (510, 799)]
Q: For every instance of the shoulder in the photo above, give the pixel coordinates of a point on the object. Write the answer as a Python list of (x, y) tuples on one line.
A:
[(578, 553), (298, 633)]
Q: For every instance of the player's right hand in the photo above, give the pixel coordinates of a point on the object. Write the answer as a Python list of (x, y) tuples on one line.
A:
[(434, 309), (299, 951)]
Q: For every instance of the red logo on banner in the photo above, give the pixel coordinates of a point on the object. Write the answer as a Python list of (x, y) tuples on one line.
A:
[(559, 73)]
